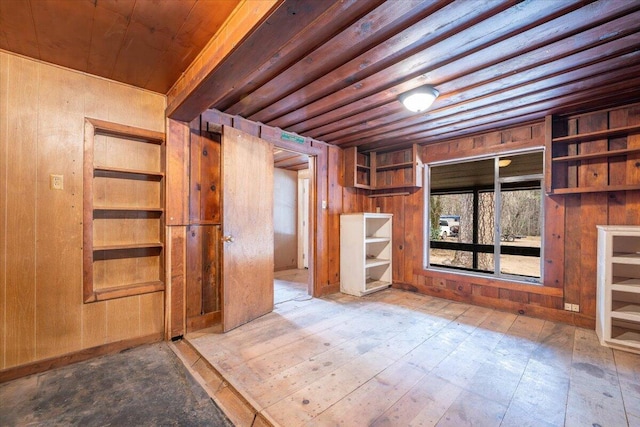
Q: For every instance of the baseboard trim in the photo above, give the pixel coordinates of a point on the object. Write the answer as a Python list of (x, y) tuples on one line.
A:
[(78, 356), (546, 313)]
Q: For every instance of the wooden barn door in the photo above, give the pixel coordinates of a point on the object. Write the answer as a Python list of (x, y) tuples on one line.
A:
[(247, 228)]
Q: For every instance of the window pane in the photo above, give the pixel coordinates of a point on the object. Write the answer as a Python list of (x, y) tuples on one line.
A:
[(521, 165), (452, 217), (462, 209), (520, 230), (450, 258), (520, 265), (486, 221), (452, 221)]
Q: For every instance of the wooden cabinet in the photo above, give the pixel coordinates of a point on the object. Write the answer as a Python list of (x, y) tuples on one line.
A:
[(586, 154), (358, 169), (397, 169), (379, 171), (123, 211), (618, 300), (365, 252)]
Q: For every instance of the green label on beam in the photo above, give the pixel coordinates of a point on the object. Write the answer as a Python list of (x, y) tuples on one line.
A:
[(286, 136)]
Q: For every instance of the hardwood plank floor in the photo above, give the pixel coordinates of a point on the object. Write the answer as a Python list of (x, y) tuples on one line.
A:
[(290, 284), (397, 358)]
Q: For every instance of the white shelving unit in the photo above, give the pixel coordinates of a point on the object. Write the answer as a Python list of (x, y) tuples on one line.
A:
[(618, 303), (365, 252)]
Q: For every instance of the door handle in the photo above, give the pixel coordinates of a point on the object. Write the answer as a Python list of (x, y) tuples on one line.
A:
[(228, 239)]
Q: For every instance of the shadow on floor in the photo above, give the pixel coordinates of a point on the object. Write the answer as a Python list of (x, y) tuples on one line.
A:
[(145, 386)]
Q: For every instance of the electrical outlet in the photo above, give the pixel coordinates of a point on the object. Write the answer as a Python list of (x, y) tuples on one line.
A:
[(56, 182), (575, 307), (567, 306)]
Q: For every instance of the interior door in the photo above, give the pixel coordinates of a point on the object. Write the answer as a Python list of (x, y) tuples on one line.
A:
[(247, 221)]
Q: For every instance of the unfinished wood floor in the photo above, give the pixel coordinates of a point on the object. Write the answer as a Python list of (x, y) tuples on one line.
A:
[(290, 285), (399, 358)]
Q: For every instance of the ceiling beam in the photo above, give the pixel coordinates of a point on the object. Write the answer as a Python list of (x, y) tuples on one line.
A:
[(183, 97)]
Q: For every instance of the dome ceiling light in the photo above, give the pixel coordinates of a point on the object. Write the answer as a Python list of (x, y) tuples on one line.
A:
[(420, 98)]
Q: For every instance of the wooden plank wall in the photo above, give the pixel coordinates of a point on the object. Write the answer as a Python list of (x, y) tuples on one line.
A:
[(584, 211), (329, 179), (327, 171), (570, 239), (534, 300), (42, 112)]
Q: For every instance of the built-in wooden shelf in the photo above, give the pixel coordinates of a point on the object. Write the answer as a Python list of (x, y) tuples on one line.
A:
[(122, 180), (127, 290), (126, 209), (393, 166), (578, 190), (383, 171), (361, 186), (131, 133), (388, 187), (590, 161), (358, 169), (149, 245), (122, 173), (594, 136), (610, 153)]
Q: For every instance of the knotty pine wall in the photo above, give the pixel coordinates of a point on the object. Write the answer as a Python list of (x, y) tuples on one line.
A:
[(570, 236), (42, 111)]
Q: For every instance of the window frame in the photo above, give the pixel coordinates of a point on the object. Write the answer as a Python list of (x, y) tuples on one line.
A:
[(497, 189)]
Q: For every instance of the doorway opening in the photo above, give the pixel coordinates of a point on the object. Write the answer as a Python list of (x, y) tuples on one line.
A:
[(291, 225)]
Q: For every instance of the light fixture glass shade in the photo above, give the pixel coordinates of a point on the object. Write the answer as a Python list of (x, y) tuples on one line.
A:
[(419, 99), (503, 163)]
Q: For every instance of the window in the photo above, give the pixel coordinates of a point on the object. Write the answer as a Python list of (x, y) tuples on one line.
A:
[(485, 216)]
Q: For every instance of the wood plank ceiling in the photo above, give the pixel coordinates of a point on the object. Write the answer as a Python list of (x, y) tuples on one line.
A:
[(496, 63), (333, 69), (284, 159), (141, 42)]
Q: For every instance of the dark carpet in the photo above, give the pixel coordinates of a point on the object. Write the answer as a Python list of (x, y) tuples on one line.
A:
[(145, 386)]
